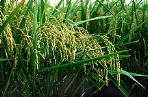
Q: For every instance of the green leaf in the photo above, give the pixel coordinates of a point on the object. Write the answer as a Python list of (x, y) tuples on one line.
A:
[(12, 14), (22, 24), (130, 33), (2, 4), (105, 7), (135, 74), (92, 19), (42, 14), (122, 89), (130, 76), (4, 59), (123, 56), (80, 62), (35, 33), (58, 6)]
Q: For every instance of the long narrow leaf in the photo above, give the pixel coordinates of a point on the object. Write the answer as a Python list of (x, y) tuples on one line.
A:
[(130, 33), (35, 39), (4, 59), (2, 4), (22, 24), (131, 75), (105, 7), (135, 74), (96, 18), (80, 62), (12, 14), (122, 89)]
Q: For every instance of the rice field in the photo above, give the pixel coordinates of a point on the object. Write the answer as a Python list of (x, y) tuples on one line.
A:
[(73, 49)]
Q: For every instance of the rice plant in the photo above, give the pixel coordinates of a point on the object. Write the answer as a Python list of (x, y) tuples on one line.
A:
[(72, 49)]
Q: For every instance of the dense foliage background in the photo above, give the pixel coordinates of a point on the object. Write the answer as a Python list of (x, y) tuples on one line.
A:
[(73, 49)]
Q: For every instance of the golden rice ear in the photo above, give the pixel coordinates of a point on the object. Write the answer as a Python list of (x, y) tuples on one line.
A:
[(113, 62), (57, 43), (70, 42), (7, 37)]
